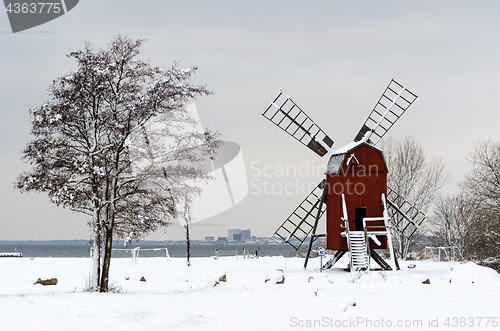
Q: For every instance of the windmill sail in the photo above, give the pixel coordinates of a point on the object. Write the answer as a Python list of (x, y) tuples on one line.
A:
[(393, 103), (300, 223), (290, 118), (405, 216)]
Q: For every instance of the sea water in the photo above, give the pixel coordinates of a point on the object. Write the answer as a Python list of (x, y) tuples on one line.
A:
[(151, 250)]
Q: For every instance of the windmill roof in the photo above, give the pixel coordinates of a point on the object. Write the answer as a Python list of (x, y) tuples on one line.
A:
[(348, 147), (335, 163)]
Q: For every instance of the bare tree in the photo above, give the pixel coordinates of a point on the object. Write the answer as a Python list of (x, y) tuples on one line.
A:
[(414, 178), (453, 222), (483, 181), (482, 186), (84, 156)]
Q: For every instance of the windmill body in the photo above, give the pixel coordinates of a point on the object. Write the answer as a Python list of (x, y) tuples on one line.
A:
[(357, 171), (354, 192)]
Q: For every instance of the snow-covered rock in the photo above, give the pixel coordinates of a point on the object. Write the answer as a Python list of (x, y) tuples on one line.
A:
[(276, 277), (134, 275), (218, 275), (418, 278), (471, 273), (51, 281), (347, 304), (320, 278), (33, 275), (215, 277), (212, 283)]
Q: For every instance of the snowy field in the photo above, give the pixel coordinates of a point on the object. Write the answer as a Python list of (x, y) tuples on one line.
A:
[(174, 296)]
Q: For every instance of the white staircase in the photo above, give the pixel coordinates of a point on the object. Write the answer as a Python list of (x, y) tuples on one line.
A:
[(358, 250), (357, 242)]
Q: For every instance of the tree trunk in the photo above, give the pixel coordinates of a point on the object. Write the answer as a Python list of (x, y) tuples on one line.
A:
[(96, 260), (108, 242), (109, 224), (188, 242), (96, 246), (403, 246)]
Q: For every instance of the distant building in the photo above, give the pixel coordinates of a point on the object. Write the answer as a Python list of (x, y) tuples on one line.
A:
[(222, 239), (231, 233), (246, 235), (209, 238), (239, 235)]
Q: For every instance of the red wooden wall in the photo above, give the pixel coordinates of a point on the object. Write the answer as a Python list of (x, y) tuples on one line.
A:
[(362, 185)]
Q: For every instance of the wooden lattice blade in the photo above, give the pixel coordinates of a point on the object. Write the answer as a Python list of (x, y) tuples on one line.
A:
[(300, 223), (285, 114), (398, 205), (393, 103)]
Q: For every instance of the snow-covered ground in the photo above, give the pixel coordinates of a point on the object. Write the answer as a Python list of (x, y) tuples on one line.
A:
[(175, 296)]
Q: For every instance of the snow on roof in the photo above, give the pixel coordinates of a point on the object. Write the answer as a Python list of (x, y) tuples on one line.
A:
[(335, 163), (348, 147)]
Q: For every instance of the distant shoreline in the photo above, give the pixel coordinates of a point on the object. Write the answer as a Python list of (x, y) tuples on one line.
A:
[(81, 248)]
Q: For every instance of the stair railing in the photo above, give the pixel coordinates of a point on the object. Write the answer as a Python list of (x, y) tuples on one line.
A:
[(346, 227)]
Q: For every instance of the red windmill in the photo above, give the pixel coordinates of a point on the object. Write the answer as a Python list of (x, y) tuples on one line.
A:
[(358, 203)]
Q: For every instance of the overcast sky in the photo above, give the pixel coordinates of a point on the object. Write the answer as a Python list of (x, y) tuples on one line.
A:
[(334, 58)]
